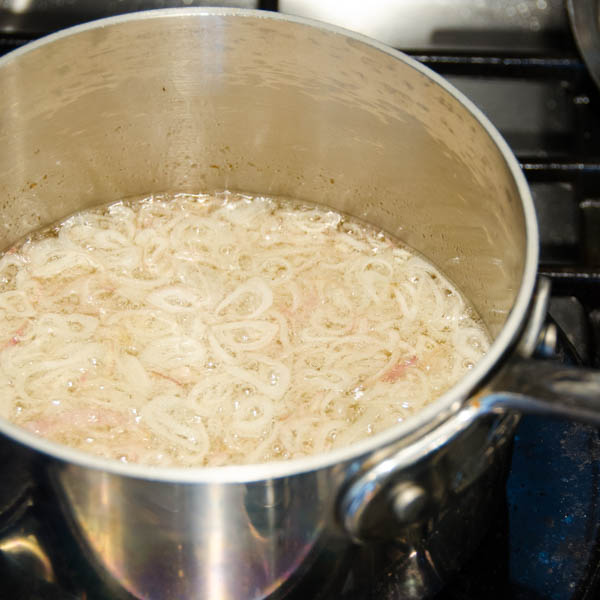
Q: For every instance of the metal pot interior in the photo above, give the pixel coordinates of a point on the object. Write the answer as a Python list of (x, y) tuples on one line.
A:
[(182, 100), (203, 100)]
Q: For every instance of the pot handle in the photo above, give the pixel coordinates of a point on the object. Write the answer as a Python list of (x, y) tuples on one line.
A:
[(523, 385), (537, 386), (544, 387), (530, 386)]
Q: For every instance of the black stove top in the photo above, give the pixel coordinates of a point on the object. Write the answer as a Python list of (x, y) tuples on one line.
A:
[(545, 540)]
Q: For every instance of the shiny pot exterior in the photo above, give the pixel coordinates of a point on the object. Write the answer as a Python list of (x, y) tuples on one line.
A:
[(202, 100), (272, 538)]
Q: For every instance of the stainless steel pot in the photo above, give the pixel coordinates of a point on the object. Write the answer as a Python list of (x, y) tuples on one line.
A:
[(213, 99)]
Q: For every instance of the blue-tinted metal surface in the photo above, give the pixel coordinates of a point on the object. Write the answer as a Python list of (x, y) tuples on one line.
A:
[(554, 507)]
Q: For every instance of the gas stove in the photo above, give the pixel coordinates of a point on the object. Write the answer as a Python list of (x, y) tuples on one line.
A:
[(519, 62)]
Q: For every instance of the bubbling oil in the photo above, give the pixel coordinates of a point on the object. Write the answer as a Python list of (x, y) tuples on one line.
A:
[(207, 330)]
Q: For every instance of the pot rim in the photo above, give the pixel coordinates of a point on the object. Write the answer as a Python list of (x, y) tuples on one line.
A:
[(447, 404)]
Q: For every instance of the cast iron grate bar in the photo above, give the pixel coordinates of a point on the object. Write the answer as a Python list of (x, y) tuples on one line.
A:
[(503, 66), (10, 42), (573, 278), (560, 168)]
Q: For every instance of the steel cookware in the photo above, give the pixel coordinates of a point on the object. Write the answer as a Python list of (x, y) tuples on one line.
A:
[(205, 99)]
